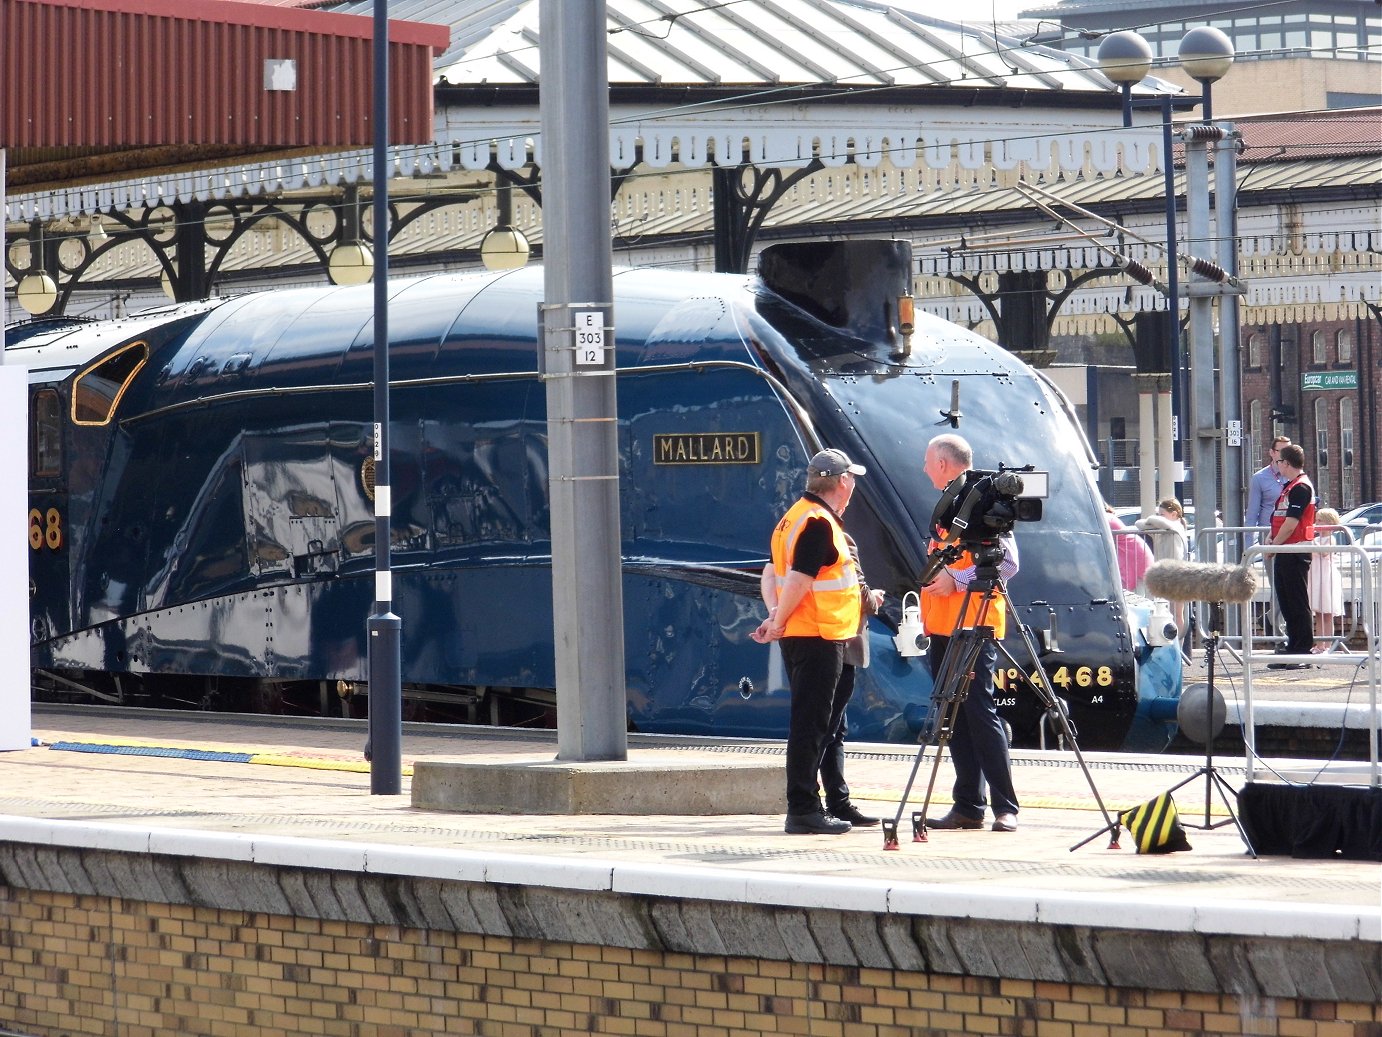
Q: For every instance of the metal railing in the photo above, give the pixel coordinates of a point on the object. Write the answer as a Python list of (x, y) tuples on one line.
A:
[(1366, 563)]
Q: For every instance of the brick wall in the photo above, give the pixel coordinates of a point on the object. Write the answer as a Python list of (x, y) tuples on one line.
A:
[(85, 964), (1284, 354)]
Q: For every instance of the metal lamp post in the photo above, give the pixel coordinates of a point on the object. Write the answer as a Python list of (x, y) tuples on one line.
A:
[(1206, 54)]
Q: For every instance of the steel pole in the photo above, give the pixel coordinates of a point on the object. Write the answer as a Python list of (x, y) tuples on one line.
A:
[(1173, 302), (1204, 423), (1230, 343), (385, 629), (577, 330)]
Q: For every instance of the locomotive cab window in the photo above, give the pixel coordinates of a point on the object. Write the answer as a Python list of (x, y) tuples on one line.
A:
[(96, 391), (45, 455)]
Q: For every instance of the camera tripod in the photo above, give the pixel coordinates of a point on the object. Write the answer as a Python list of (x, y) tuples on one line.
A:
[(952, 688)]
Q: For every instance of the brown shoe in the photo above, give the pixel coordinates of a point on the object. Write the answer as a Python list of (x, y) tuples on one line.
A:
[(954, 822)]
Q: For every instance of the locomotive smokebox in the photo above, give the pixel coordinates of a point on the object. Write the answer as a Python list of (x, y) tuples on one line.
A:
[(862, 288)]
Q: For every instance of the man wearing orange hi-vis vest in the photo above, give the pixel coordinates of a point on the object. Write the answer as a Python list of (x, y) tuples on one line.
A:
[(813, 591), (979, 743)]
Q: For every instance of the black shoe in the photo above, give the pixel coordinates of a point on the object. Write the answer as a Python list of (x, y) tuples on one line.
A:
[(1290, 666), (953, 822), (815, 824), (849, 812)]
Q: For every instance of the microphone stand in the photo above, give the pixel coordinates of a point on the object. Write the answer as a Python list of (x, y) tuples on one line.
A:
[(1213, 779)]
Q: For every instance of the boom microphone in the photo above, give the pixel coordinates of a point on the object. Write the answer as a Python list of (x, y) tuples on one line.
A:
[(1198, 581)]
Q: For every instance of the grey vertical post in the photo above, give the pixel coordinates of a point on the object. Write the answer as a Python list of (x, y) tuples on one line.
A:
[(385, 629), (1204, 426), (1230, 345), (1177, 427), (582, 432)]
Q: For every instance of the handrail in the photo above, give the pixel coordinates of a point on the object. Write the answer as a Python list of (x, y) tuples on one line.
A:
[(1368, 659)]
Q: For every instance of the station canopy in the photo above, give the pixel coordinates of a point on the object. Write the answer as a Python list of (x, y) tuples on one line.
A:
[(701, 83)]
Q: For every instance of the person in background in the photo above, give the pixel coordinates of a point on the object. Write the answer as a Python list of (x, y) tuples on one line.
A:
[(1133, 554), (832, 768), (1325, 586), (1264, 488), (1293, 522), (1167, 530), (1170, 540)]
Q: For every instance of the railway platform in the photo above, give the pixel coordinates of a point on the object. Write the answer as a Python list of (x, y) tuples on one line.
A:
[(251, 847)]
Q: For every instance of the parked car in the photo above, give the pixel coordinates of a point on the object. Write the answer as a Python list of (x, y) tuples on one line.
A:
[(1362, 516), (1129, 516)]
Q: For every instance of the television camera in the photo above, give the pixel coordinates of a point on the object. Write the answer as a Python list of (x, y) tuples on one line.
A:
[(975, 510)]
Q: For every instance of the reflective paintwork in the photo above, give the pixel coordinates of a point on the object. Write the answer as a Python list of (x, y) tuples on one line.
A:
[(222, 525)]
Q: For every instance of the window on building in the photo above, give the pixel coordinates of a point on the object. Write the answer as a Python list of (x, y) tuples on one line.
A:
[(1319, 352), (1344, 342), (1322, 438), (1348, 491), (1255, 349), (1255, 440)]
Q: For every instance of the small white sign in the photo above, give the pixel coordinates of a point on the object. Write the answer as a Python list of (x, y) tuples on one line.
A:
[(1235, 433), (280, 74), (590, 338)]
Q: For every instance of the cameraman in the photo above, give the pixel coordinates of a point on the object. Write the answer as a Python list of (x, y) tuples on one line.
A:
[(978, 743)]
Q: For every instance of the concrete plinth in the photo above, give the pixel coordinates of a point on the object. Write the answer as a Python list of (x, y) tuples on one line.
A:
[(644, 784)]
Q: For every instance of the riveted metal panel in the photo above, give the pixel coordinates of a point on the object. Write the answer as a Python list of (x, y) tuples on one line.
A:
[(83, 73)]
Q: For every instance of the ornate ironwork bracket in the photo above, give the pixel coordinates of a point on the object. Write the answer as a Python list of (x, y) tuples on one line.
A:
[(743, 196)]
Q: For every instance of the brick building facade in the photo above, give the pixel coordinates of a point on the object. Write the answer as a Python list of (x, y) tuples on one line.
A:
[(1318, 382)]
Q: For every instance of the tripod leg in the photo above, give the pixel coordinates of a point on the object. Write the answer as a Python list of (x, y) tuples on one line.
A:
[(1043, 688), (948, 696), (964, 650), (1226, 790)]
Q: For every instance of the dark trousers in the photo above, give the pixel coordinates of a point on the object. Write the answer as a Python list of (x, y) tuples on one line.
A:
[(832, 768), (821, 685), (1291, 577), (978, 743)]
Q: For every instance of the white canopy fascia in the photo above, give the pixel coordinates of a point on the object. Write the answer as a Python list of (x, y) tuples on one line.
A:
[(790, 134), (785, 136)]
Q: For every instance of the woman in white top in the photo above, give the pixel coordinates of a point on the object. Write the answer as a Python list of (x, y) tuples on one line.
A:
[(1167, 530), (1170, 539), (1324, 583)]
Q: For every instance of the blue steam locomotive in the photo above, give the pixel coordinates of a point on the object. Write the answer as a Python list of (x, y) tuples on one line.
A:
[(202, 529)]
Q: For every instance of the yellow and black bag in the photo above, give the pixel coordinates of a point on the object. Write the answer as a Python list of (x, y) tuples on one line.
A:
[(1155, 826)]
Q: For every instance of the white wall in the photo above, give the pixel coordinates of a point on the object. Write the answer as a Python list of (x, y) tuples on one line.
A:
[(15, 732)]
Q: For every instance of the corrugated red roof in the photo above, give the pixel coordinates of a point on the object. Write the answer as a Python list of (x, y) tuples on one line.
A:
[(1329, 134), (103, 73)]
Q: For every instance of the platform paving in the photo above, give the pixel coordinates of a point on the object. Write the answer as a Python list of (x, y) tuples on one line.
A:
[(311, 783)]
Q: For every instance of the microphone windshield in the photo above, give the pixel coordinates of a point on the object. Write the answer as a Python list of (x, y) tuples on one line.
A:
[(1198, 581)]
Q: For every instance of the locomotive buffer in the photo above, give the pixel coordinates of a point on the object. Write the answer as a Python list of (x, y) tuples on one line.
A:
[(957, 671)]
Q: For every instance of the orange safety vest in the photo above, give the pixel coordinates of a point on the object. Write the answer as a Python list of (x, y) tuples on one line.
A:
[(940, 614), (1305, 528), (831, 608)]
